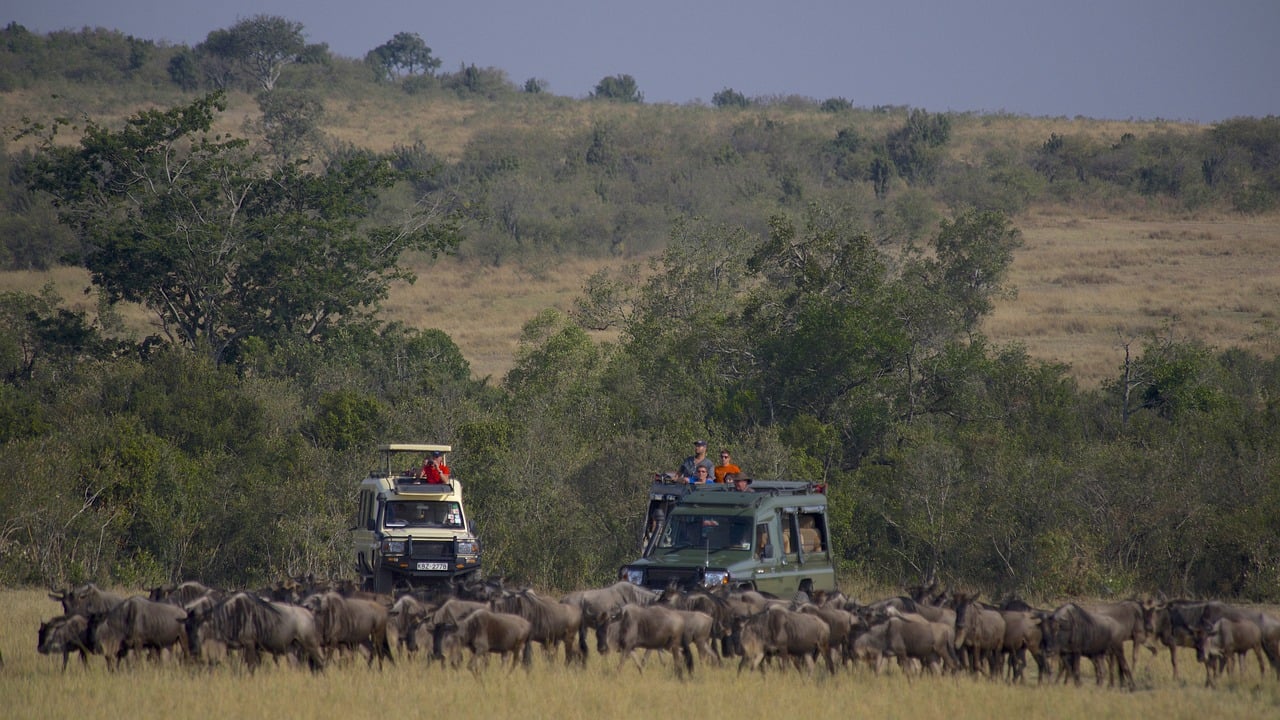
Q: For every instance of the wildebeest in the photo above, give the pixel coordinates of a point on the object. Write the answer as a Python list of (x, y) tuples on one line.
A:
[(1268, 626), (651, 627), (347, 623), (1230, 640), (86, 600), (1023, 634), (794, 636), (65, 634), (450, 612), (1073, 632), (137, 624), (841, 622), (553, 622), (599, 604), (484, 632), (1128, 615), (1174, 623), (403, 620), (182, 594), (979, 634), (252, 624), (912, 636)]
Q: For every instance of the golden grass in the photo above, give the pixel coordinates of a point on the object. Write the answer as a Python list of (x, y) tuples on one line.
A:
[(1087, 285), (32, 686)]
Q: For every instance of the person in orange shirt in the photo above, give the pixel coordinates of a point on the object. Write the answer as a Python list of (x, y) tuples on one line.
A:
[(726, 466)]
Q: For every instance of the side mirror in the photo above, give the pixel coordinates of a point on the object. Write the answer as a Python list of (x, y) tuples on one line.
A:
[(767, 553)]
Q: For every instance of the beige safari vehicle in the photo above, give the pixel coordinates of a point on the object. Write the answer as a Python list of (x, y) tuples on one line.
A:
[(410, 532)]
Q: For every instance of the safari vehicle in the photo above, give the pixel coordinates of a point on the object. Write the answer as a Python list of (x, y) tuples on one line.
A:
[(409, 531), (773, 539)]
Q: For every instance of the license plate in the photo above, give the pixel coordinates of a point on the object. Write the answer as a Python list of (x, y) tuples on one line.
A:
[(433, 566)]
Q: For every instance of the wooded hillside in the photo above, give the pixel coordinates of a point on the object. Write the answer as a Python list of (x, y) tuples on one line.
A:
[(817, 285)]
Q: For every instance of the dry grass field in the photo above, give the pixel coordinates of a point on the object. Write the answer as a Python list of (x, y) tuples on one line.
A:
[(33, 686)]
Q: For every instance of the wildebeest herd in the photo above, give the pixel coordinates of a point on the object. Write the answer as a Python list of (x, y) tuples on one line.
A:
[(302, 622)]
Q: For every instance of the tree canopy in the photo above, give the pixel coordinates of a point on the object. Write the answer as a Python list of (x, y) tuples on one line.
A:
[(220, 245)]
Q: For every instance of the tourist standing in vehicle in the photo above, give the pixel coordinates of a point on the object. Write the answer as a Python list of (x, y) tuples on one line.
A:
[(700, 476), (434, 470), (725, 467), (689, 468), (741, 483)]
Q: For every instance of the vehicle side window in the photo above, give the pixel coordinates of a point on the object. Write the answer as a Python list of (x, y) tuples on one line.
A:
[(813, 532), (790, 545), (366, 510), (763, 548)]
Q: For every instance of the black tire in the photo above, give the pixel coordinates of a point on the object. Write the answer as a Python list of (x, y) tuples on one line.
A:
[(384, 582)]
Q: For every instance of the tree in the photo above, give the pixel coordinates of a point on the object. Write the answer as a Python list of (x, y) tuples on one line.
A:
[(916, 148), (729, 97), (403, 55), (260, 46), (618, 87), (182, 69), (217, 244), (290, 121)]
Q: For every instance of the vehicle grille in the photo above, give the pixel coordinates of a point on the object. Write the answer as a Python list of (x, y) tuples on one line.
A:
[(429, 549), (661, 577)]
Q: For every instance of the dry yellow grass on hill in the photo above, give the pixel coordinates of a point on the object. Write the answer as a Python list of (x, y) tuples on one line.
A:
[(1085, 286)]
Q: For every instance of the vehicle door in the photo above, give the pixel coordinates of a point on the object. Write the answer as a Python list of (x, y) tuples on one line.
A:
[(364, 535), (767, 555)]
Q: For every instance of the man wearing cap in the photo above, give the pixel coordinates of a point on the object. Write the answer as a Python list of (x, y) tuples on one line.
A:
[(689, 468), (434, 470), (741, 483)]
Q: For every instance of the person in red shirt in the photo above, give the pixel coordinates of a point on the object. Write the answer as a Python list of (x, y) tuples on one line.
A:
[(434, 470)]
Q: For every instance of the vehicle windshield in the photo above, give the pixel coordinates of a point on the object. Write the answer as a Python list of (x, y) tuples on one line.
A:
[(423, 514), (708, 532)]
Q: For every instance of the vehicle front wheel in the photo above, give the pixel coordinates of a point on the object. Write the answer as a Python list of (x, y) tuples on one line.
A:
[(384, 582)]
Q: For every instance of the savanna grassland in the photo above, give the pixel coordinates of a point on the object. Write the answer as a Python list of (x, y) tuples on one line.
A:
[(1089, 278), (33, 686), (1084, 286)]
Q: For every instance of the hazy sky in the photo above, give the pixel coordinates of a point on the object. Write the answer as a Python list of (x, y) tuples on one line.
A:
[(1122, 59)]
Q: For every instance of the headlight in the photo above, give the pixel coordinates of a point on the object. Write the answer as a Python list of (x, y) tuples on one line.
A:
[(635, 576), (393, 547), (468, 547), (712, 578)]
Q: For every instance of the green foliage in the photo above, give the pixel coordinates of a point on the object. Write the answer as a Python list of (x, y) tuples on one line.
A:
[(835, 105), (291, 122), (622, 88), (810, 307), (258, 48), (471, 81), (731, 98), (229, 248), (405, 54), (916, 148), (346, 421)]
